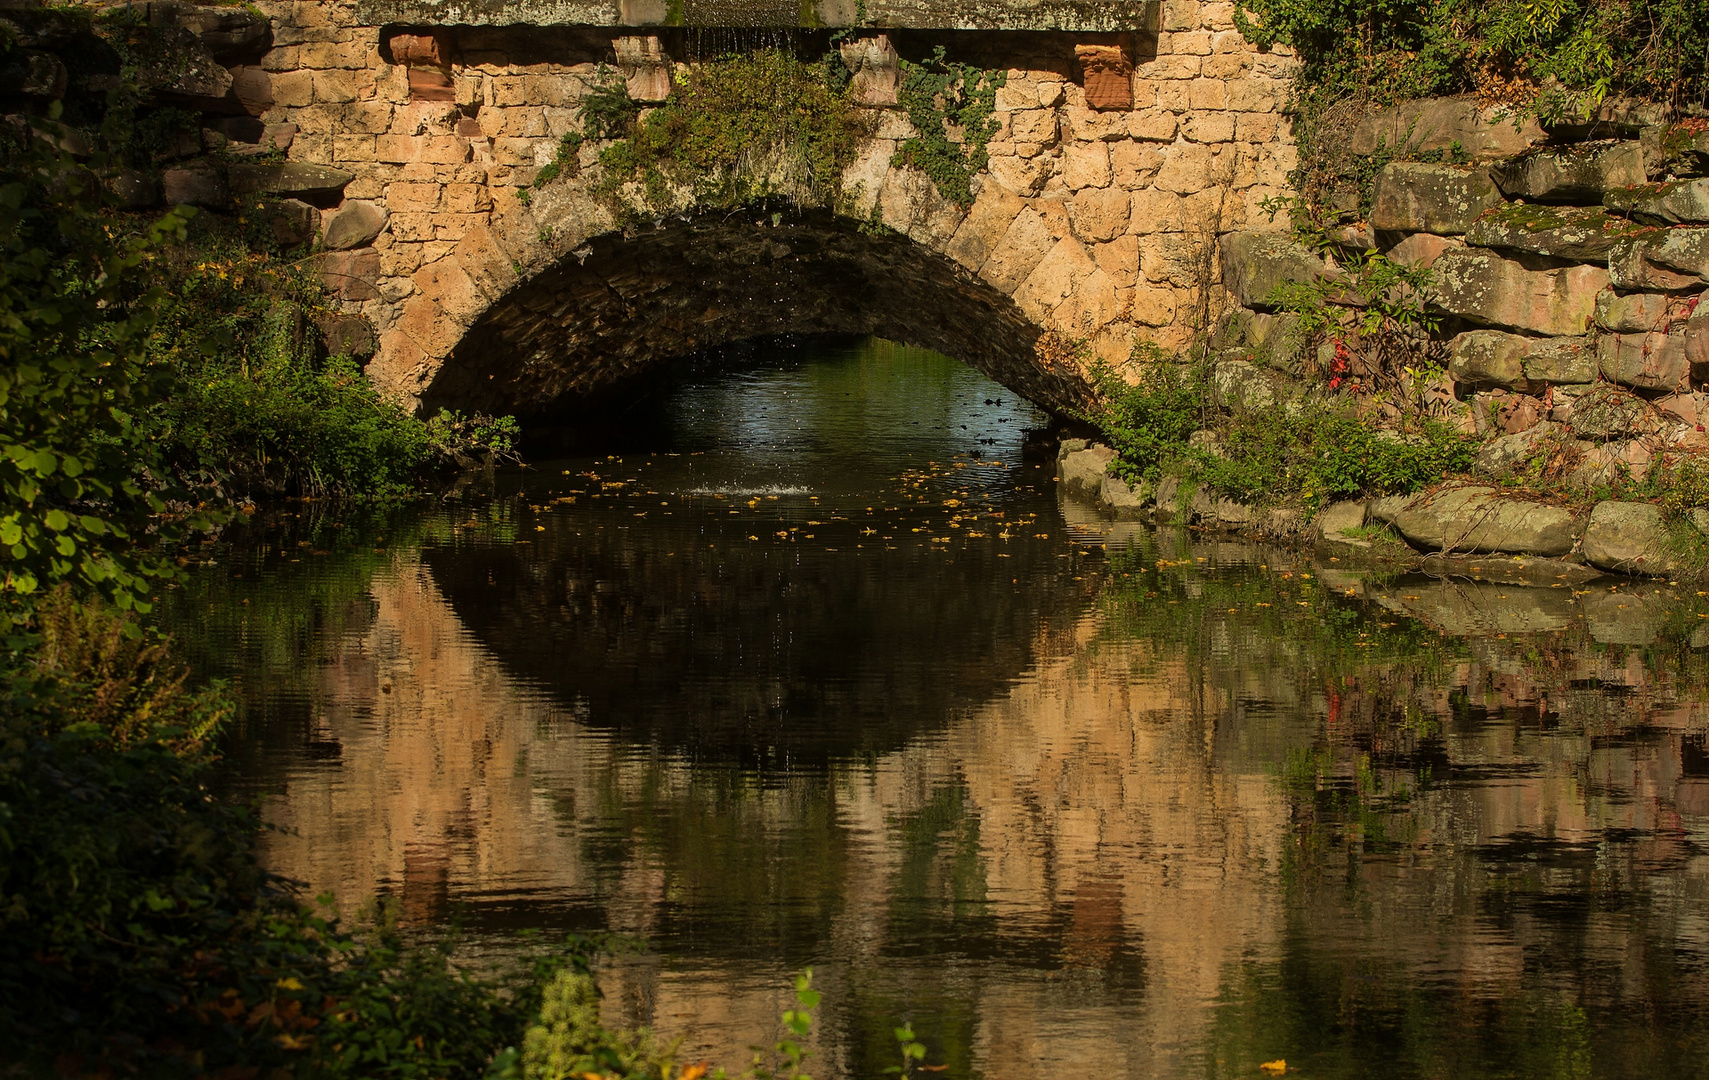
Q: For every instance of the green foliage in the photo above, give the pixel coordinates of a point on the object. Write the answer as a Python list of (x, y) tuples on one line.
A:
[(1555, 55), (256, 413), (1322, 453), (569, 1042), (913, 1052), (952, 106), (1148, 421), (607, 111), (81, 487), (740, 130)]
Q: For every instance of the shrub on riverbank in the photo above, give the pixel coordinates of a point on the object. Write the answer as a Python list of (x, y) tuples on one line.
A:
[(1309, 453)]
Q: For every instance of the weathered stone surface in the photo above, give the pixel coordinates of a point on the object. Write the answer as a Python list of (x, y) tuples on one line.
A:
[(1631, 538), (1609, 412), (1254, 263), (1652, 361), (1582, 235), (1422, 249), (227, 32), (135, 189), (1083, 471), (1107, 75), (292, 222), (874, 68), (1486, 289), (1683, 250), (1462, 612), (354, 225), (292, 178), (350, 275), (1243, 386), (1631, 270), (1100, 17), (1681, 202), (1440, 124), (1637, 313), (194, 186), (1474, 518), (1124, 501), (346, 335), (1506, 454), (1489, 358), (1335, 521), (1441, 199), (1561, 361), (32, 73), (1611, 118), (1571, 174)]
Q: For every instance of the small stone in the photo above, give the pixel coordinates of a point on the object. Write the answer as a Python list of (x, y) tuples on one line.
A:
[(1422, 249), (350, 275), (1631, 270), (354, 225), (1508, 453), (346, 335), (1561, 361), (1637, 313), (1126, 502)]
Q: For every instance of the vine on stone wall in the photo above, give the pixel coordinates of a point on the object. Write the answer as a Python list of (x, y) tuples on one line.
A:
[(952, 108)]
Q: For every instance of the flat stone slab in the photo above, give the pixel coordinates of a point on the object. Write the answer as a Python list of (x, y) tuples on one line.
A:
[(1486, 289), (1092, 16), (1582, 235), (1632, 538)]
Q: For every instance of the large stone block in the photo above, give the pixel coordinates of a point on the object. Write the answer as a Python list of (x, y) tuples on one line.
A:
[(1680, 202), (1637, 313), (294, 178), (1486, 358), (1560, 361), (350, 275), (1654, 361), (1443, 199), (1571, 174), (1488, 290), (1631, 538), (1255, 263), (1477, 518), (1582, 235), (194, 186), (1684, 250), (1442, 124), (1631, 269)]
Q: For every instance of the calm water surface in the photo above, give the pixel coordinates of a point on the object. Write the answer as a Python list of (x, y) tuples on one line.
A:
[(816, 668)]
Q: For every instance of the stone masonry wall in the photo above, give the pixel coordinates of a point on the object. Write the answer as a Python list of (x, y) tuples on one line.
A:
[(1094, 221)]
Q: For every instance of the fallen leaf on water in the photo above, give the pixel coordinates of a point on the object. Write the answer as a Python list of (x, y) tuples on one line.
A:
[(1275, 1068)]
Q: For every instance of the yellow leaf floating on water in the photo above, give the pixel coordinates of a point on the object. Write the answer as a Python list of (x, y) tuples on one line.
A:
[(1274, 1068)]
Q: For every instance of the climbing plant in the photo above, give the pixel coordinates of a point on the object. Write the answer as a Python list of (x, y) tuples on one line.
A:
[(952, 107)]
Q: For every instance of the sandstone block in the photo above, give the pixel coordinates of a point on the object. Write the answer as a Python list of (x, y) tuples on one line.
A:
[(293, 89), (1210, 128), (1083, 471), (1651, 361), (1477, 518), (350, 275), (194, 186), (874, 69), (297, 179), (446, 282), (1488, 290), (1486, 358), (1632, 270), (1440, 123), (1119, 258), (993, 211), (1582, 235), (1422, 249), (1107, 76), (1022, 176), (346, 335), (292, 222), (1099, 214), (1125, 501), (1560, 361), (1683, 249), (1631, 538), (354, 225), (1152, 126), (1086, 165), (334, 87), (1681, 202), (253, 89), (1636, 313), (1571, 174), (1055, 278), (1442, 199), (1255, 263)]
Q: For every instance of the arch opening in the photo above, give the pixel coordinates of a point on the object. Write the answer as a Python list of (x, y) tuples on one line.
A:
[(624, 306)]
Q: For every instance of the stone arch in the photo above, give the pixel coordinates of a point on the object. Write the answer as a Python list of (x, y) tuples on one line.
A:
[(554, 301)]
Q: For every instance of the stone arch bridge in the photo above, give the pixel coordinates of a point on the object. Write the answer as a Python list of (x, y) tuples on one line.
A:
[(1131, 134)]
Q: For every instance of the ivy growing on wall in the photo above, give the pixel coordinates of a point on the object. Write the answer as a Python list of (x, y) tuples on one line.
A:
[(952, 107)]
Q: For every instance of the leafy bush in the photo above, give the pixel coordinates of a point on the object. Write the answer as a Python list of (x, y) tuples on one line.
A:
[(1553, 54), (742, 129), (1148, 422)]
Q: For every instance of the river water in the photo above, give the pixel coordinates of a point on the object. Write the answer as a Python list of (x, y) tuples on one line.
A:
[(814, 667)]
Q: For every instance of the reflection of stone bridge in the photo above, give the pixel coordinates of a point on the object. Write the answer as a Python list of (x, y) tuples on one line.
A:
[(1129, 134)]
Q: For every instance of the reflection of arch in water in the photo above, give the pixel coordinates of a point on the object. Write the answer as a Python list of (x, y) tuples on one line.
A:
[(758, 652), (615, 308)]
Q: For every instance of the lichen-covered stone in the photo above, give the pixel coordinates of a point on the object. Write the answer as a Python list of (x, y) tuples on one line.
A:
[(1578, 234), (1254, 263), (1444, 124), (1489, 358), (1630, 269), (1482, 287), (1679, 202), (1477, 518), (1683, 250), (1571, 174), (294, 178), (1653, 361), (1631, 538), (1637, 313), (1560, 361), (1443, 199), (1509, 453)]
